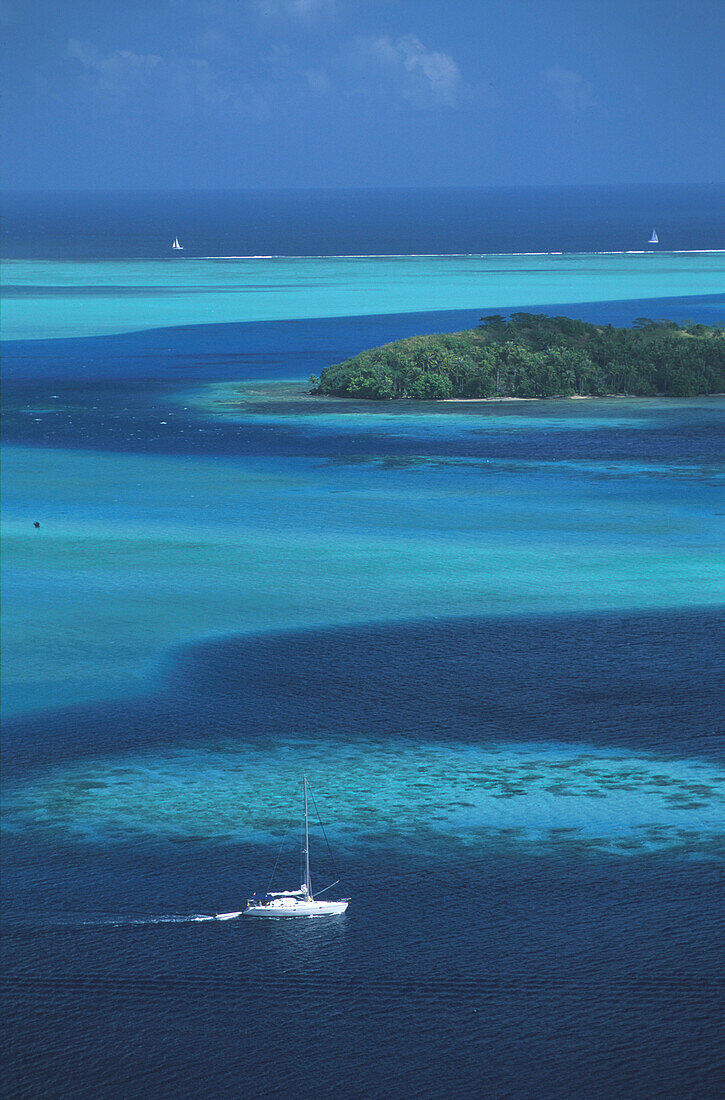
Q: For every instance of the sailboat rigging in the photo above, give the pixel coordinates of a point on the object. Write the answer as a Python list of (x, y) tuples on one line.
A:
[(302, 902)]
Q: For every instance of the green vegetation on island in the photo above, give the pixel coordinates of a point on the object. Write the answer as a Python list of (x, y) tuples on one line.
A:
[(532, 355)]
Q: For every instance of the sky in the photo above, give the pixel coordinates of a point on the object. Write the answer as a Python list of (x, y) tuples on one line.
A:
[(126, 94)]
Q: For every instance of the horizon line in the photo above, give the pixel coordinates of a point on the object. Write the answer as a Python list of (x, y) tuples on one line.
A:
[(353, 187)]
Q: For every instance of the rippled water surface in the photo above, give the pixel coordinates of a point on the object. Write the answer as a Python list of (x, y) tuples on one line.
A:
[(491, 634)]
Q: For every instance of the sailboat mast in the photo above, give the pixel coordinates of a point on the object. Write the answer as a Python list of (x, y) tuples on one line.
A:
[(308, 884)]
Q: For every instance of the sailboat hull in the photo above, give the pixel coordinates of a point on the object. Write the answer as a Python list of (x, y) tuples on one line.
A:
[(289, 907)]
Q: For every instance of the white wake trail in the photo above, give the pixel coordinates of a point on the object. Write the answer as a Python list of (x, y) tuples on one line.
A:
[(171, 918)]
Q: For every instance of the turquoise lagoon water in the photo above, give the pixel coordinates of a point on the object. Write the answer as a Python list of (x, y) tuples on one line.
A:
[(490, 632), (51, 299), (180, 513), (141, 553)]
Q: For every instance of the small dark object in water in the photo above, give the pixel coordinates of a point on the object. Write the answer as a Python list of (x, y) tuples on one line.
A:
[(36, 524)]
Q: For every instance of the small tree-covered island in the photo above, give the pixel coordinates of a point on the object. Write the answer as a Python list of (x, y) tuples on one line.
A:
[(533, 355)]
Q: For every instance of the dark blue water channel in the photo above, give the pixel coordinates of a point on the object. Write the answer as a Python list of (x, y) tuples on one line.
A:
[(291, 349), (494, 973), (362, 221)]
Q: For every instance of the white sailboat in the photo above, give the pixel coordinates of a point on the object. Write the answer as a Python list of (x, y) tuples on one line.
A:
[(654, 239), (176, 246), (296, 903)]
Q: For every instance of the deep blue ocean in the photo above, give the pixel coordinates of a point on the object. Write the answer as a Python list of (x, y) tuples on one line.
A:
[(493, 636), (94, 225)]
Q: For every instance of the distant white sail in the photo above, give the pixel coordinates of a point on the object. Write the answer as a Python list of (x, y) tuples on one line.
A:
[(176, 244), (654, 239)]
